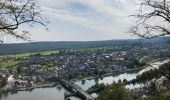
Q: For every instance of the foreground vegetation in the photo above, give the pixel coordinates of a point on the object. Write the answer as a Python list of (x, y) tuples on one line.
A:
[(115, 91)]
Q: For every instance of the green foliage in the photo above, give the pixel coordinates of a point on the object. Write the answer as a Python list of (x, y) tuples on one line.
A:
[(153, 73), (18, 69), (8, 64), (115, 92), (146, 76), (44, 53), (96, 88), (20, 48), (125, 81), (144, 60), (163, 95), (152, 89), (3, 82)]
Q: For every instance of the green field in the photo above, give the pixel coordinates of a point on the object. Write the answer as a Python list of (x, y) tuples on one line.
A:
[(45, 53), (7, 64)]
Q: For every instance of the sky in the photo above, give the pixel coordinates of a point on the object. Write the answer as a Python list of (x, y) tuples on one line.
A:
[(82, 20)]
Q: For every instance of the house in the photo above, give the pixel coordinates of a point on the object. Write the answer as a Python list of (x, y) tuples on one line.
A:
[(37, 79)]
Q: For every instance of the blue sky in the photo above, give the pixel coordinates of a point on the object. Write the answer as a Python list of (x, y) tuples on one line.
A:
[(83, 20)]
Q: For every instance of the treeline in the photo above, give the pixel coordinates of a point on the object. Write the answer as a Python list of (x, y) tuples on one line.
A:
[(45, 46)]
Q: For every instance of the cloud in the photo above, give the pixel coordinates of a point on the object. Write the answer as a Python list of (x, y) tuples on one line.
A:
[(67, 16), (107, 8), (103, 7), (103, 19)]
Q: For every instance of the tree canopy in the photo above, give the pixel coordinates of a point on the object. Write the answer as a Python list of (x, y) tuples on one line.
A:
[(116, 91), (152, 19), (14, 13)]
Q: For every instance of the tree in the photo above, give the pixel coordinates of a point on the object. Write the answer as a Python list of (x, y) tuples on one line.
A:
[(115, 92), (152, 19), (18, 69), (3, 82), (125, 81), (14, 13)]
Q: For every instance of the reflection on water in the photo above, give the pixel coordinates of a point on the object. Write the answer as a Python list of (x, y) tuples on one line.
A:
[(57, 93), (111, 79), (37, 94)]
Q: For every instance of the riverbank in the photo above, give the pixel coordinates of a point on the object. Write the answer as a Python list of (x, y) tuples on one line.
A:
[(117, 73), (34, 86), (108, 74), (45, 93), (90, 77), (45, 85)]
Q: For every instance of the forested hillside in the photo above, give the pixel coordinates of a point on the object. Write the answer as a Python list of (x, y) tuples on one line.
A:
[(45, 46)]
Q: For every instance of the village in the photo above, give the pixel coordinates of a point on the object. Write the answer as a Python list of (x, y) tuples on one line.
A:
[(37, 70)]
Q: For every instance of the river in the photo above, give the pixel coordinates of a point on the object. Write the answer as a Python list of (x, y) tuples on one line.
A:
[(37, 94), (58, 94)]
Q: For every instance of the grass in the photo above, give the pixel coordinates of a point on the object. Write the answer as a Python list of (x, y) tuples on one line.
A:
[(49, 52), (45, 53), (7, 64)]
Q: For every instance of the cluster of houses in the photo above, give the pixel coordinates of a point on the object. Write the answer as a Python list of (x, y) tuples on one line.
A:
[(24, 82), (72, 62), (73, 68)]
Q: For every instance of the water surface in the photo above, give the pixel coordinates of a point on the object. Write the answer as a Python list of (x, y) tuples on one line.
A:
[(58, 94)]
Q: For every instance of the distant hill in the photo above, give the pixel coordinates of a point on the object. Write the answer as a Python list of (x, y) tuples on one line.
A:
[(45, 46)]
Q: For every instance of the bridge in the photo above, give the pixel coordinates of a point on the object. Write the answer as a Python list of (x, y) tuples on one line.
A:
[(75, 88)]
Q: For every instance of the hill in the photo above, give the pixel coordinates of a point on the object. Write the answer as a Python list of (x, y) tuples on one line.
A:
[(31, 47)]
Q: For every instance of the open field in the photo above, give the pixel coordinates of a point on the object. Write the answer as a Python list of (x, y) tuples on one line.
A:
[(28, 54), (7, 64)]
